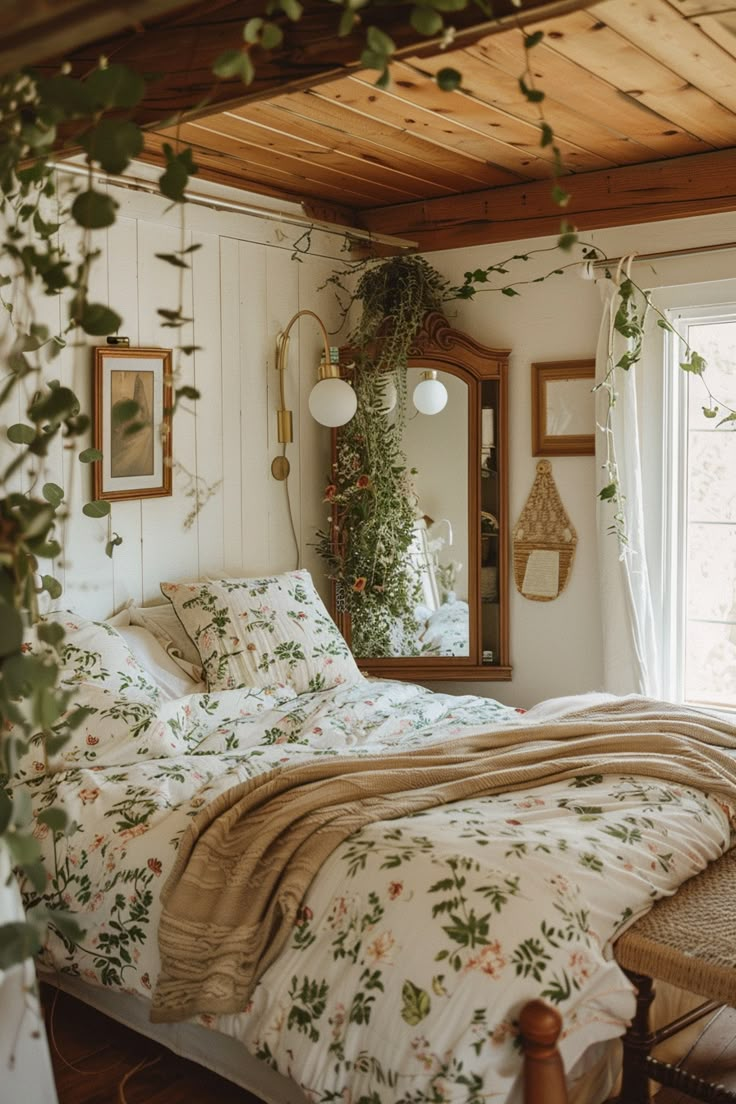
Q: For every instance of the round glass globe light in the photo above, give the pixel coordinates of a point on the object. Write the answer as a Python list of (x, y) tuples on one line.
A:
[(332, 402), (430, 396)]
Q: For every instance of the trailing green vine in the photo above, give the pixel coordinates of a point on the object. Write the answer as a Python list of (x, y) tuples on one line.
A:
[(373, 506)]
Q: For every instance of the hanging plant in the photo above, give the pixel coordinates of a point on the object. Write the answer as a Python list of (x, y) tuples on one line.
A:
[(371, 494)]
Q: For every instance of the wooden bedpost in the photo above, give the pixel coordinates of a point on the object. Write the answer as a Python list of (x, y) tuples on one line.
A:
[(544, 1075)]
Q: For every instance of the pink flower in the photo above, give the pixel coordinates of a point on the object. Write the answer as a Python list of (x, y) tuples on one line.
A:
[(395, 890), (330, 492), (359, 584), (146, 981), (381, 947), (363, 482), (92, 741), (155, 866), (89, 795)]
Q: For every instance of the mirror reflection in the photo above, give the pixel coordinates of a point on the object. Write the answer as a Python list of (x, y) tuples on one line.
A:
[(436, 447)]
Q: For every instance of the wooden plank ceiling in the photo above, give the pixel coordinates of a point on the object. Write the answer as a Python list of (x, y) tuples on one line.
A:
[(641, 95)]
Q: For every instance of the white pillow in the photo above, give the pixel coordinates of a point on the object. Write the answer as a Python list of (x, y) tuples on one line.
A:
[(171, 680), (162, 622)]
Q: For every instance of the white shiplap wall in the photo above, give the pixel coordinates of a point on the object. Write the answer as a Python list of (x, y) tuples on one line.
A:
[(242, 290)]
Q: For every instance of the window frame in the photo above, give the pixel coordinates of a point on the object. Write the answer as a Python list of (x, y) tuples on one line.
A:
[(674, 475)]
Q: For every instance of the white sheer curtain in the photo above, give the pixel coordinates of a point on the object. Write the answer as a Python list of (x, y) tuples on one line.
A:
[(630, 652)]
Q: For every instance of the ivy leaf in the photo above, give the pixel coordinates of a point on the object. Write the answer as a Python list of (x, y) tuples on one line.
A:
[(695, 364), (115, 541), (567, 240), (94, 210), (56, 819), (664, 325), (729, 418), (50, 632), (187, 392), (509, 291), (234, 63), (532, 40), (252, 29), (417, 1004), (98, 320), (533, 95), (448, 79), (113, 143), (179, 167), (426, 21), (52, 586), (98, 508), (67, 926), (89, 455), (24, 849), (607, 492), (379, 41), (124, 410), (172, 259), (560, 196), (11, 630), (20, 434), (53, 493), (19, 940), (115, 86), (547, 135), (292, 9), (271, 36)]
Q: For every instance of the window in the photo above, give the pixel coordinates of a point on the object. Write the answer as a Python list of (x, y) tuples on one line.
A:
[(699, 513)]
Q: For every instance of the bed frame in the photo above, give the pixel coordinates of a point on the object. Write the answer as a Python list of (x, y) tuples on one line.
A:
[(544, 1075), (539, 1025)]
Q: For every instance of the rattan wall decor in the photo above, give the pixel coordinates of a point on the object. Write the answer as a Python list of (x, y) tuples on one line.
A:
[(544, 541)]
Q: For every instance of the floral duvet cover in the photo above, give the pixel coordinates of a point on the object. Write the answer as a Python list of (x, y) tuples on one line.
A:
[(421, 938)]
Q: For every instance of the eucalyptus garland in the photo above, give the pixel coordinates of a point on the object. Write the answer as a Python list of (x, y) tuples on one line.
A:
[(371, 495)]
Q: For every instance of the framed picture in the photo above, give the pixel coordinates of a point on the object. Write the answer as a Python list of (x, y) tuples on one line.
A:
[(132, 426), (563, 408)]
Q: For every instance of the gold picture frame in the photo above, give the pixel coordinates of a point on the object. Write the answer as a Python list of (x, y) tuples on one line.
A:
[(136, 450), (563, 408)]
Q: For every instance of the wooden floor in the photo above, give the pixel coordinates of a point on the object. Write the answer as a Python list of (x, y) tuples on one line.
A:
[(92, 1055), (103, 1052)]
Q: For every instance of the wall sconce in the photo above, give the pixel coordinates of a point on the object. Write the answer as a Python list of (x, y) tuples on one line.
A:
[(430, 394), (332, 401)]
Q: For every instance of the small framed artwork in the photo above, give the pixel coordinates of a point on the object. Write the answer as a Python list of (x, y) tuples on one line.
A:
[(132, 426), (563, 408)]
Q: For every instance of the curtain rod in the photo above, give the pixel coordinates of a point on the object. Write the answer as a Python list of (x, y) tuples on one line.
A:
[(611, 262), (138, 184)]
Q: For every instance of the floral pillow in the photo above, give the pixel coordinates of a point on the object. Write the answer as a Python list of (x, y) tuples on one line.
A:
[(256, 632), (100, 674)]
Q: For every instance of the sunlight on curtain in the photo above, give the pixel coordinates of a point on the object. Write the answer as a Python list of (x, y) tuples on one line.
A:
[(630, 653)]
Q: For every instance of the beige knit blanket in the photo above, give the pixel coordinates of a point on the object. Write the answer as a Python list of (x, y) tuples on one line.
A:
[(246, 863)]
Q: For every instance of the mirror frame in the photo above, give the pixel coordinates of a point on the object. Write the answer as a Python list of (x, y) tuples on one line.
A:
[(438, 345), (548, 444)]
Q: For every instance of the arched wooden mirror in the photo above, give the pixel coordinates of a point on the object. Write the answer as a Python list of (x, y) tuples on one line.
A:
[(459, 550)]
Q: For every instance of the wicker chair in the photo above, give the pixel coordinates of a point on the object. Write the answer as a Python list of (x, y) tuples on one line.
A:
[(688, 940)]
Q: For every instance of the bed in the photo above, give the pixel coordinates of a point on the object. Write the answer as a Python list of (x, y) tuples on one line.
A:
[(422, 937)]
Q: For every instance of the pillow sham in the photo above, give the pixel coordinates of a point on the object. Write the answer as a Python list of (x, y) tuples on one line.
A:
[(164, 671), (96, 666), (162, 622), (257, 632)]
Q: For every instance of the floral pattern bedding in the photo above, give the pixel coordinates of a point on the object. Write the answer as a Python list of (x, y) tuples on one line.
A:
[(421, 938)]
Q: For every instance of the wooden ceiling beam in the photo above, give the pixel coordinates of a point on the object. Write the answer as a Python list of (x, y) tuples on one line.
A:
[(703, 183), (31, 30), (180, 50)]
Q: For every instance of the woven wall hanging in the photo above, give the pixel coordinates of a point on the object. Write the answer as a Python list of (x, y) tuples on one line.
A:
[(544, 540)]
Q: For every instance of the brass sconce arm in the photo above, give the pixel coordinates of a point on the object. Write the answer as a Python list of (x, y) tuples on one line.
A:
[(280, 466)]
